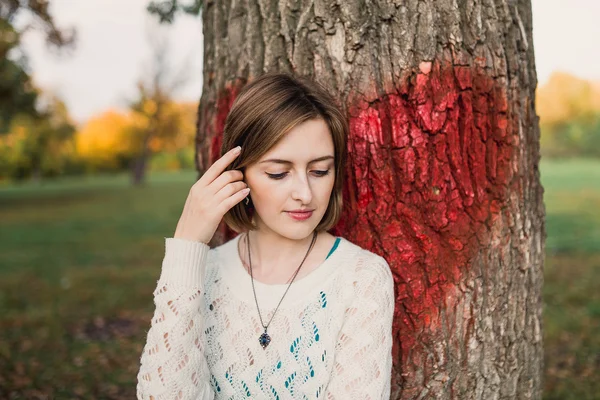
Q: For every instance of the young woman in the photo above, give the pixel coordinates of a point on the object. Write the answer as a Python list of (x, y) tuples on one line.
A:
[(284, 310)]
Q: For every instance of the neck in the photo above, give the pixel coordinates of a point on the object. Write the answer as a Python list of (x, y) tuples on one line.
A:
[(272, 253)]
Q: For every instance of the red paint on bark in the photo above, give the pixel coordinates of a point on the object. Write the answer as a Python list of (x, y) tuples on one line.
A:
[(428, 172), (223, 105)]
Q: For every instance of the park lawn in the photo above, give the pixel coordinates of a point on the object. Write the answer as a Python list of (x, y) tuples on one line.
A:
[(571, 279), (79, 259)]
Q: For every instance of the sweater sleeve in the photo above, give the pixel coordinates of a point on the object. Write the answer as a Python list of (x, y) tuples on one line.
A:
[(172, 364), (362, 363)]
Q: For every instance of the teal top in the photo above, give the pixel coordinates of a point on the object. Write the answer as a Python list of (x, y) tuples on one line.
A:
[(337, 241)]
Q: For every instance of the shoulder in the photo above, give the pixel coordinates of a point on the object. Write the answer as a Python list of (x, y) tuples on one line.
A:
[(368, 285), (223, 254), (369, 268), (366, 259)]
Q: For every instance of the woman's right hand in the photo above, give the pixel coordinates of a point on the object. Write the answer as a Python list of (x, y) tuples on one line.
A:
[(209, 199)]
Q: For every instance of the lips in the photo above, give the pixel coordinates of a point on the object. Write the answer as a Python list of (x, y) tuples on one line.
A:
[(300, 215)]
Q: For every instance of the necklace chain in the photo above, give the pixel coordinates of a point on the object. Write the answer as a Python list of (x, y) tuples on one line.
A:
[(265, 339)]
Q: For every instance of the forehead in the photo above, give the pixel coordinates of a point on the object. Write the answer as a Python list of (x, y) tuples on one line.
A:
[(303, 143)]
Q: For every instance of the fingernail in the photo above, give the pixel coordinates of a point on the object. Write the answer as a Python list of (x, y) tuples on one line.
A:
[(237, 149)]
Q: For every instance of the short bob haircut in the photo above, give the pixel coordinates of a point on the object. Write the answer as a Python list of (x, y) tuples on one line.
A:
[(263, 112)]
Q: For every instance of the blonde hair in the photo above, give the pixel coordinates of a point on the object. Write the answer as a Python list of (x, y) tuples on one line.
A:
[(263, 112)]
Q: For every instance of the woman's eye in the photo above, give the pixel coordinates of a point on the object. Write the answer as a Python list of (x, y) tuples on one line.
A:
[(283, 174), (277, 176)]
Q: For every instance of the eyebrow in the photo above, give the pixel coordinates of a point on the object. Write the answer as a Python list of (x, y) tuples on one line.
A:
[(279, 161)]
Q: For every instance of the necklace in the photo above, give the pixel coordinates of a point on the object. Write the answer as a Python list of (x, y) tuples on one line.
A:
[(265, 339)]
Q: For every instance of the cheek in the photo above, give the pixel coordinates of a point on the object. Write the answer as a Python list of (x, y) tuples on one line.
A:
[(267, 186), (268, 195), (329, 181), (324, 189)]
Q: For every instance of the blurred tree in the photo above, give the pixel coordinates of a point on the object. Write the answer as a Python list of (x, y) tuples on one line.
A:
[(164, 123), (35, 130), (166, 127), (107, 141), (566, 97), (113, 140), (37, 145), (17, 93), (167, 9), (39, 11), (569, 110), (178, 128)]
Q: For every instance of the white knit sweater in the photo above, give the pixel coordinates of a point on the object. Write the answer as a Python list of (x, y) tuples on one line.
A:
[(331, 337)]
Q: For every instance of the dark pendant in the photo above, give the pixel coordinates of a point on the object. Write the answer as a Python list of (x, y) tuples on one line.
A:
[(264, 339)]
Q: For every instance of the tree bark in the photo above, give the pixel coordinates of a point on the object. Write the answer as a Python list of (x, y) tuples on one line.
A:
[(139, 163), (442, 175)]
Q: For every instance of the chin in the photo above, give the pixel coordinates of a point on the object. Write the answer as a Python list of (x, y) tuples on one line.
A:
[(300, 230), (285, 226), (294, 233), (294, 230)]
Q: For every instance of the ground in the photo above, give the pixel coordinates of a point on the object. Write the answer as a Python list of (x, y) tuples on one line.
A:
[(79, 259)]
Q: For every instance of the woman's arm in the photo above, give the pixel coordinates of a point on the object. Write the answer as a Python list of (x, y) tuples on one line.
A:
[(172, 364), (363, 354)]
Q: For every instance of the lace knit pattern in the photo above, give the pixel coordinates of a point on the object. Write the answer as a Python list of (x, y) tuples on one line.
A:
[(331, 341)]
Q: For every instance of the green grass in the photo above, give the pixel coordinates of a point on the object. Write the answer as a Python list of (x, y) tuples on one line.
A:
[(79, 259), (572, 197), (572, 279), (78, 262)]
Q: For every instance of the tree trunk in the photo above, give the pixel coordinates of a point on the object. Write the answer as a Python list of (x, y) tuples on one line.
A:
[(442, 175), (139, 163)]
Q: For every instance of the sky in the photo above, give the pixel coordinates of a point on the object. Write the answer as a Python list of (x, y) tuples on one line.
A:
[(112, 53), (114, 49)]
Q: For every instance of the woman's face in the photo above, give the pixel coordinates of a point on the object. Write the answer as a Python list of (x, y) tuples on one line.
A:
[(301, 179)]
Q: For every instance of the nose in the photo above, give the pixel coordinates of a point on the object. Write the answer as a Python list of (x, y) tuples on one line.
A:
[(301, 188)]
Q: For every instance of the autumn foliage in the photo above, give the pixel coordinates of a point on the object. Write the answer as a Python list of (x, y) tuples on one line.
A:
[(569, 110), (107, 142), (112, 139)]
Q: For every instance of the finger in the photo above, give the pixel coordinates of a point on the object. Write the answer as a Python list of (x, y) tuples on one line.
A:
[(224, 179), (219, 166), (231, 201), (229, 190)]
